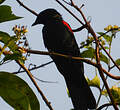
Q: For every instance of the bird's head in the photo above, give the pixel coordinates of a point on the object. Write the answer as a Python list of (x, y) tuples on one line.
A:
[(47, 16)]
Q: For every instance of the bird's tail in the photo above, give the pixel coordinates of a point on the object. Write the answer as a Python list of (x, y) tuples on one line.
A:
[(80, 93)]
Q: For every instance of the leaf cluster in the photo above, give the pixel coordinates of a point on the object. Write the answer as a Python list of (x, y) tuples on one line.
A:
[(15, 91)]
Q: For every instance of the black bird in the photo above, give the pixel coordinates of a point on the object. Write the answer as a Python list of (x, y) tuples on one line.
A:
[(58, 37)]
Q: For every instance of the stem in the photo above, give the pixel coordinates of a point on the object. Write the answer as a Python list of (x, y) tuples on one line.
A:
[(89, 28), (37, 67), (100, 67), (106, 105), (70, 12), (75, 58), (100, 94), (108, 71), (34, 82), (21, 4)]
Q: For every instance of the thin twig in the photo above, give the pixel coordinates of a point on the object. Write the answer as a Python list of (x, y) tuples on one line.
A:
[(110, 56), (66, 2), (106, 105), (93, 39), (37, 67), (32, 79), (72, 57), (72, 4), (70, 12), (34, 82), (21, 4), (74, 17), (66, 56), (43, 81), (100, 94), (97, 55), (80, 28)]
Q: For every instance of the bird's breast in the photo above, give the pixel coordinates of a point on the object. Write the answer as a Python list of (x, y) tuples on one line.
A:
[(54, 36)]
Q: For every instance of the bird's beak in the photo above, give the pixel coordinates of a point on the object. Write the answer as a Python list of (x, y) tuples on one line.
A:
[(34, 24)]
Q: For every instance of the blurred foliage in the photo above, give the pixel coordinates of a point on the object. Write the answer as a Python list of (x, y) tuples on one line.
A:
[(95, 82), (17, 93), (115, 93), (11, 44), (6, 14), (1, 1), (13, 89)]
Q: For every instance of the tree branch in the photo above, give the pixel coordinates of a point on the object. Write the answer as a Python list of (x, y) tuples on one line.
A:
[(61, 55), (37, 67), (110, 57), (75, 58), (32, 79), (33, 12), (89, 28), (86, 23), (21, 4), (70, 12), (34, 82), (106, 105)]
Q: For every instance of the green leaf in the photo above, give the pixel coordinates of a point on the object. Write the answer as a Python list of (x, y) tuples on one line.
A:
[(1, 1), (6, 14), (115, 93), (95, 82), (106, 47), (117, 61), (17, 93), (14, 56), (104, 92), (104, 58), (4, 37), (89, 53), (105, 36), (8, 41)]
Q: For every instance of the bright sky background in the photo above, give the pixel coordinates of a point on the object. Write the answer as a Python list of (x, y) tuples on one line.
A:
[(102, 13)]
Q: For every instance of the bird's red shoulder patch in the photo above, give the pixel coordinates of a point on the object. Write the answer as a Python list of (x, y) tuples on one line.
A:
[(65, 23)]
